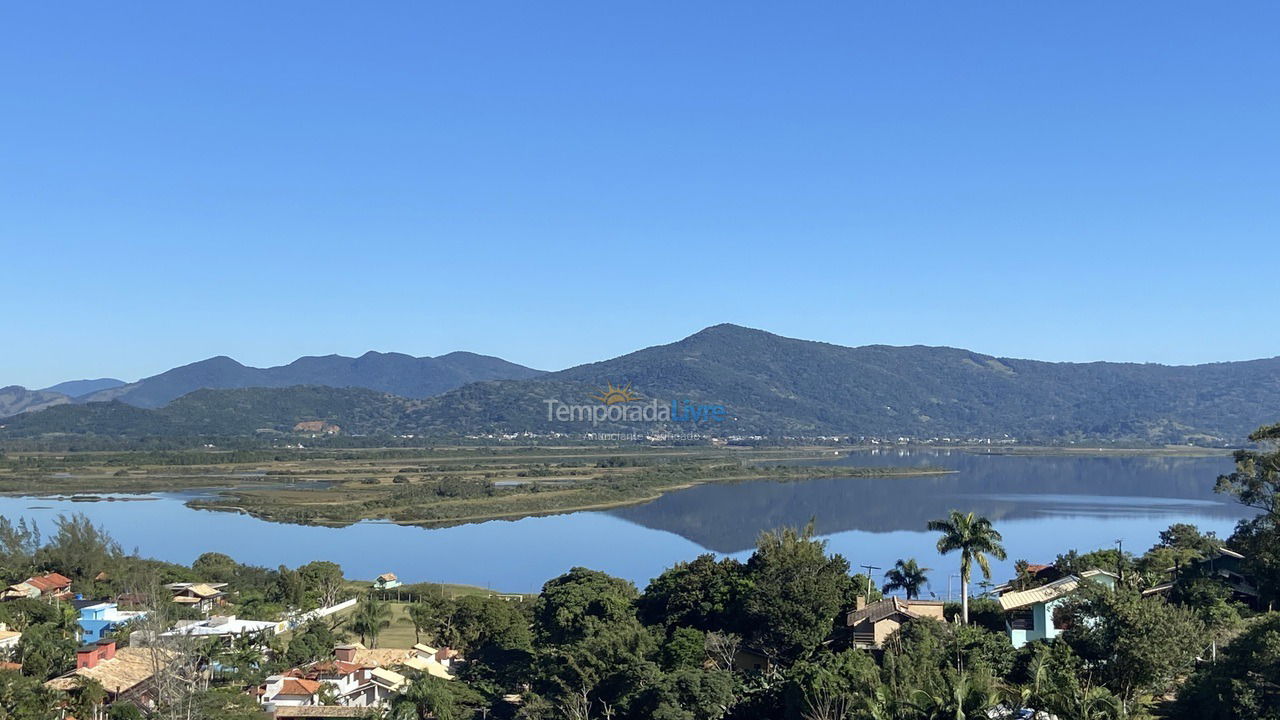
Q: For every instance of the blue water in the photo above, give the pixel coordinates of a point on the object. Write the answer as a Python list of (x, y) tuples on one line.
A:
[(1042, 505)]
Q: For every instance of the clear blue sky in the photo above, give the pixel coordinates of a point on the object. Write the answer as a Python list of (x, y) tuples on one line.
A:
[(557, 183)]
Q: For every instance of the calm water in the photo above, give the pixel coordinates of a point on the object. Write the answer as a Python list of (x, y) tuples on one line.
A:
[(1042, 505)]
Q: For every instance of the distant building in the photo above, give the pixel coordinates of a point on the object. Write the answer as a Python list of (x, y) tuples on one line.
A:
[(227, 628), (386, 581), (51, 586), (871, 624), (201, 596), (96, 621), (318, 427), (1029, 613)]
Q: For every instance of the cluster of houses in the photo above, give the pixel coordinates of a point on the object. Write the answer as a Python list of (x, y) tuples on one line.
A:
[(1030, 613), (356, 677)]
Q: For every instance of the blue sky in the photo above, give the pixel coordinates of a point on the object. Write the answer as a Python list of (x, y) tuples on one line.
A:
[(558, 183)]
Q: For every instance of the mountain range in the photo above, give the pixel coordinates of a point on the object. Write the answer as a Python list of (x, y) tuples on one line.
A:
[(767, 385), (395, 373)]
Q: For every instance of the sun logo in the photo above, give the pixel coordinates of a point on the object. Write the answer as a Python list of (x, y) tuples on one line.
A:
[(614, 395)]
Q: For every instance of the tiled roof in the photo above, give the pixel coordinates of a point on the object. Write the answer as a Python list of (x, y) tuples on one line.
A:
[(50, 581), (299, 686), (127, 669)]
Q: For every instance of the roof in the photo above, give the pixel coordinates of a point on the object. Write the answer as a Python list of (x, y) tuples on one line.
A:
[(1046, 593), (130, 667), (380, 657), (387, 576), (49, 581), (433, 669), (7, 634), (201, 590), (221, 626), (388, 679), (299, 686), (877, 611), (328, 667)]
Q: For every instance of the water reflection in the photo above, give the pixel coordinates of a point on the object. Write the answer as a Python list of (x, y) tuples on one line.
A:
[(728, 518)]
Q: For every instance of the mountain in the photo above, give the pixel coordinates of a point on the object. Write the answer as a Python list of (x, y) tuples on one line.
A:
[(240, 411), (767, 384), (17, 399), (394, 373), (775, 385), (76, 388)]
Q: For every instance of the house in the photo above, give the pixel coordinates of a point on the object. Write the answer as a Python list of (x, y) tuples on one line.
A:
[(51, 586), (1225, 566), (201, 596), (871, 624), (281, 690), (386, 581), (429, 660), (355, 678), (226, 628), (1029, 613), (100, 619), (9, 640), (126, 673)]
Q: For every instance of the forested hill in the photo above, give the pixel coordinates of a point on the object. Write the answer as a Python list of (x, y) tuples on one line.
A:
[(773, 384), (768, 385)]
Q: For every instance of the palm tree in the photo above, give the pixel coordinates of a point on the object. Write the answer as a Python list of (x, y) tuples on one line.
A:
[(975, 538), (371, 618), (906, 575)]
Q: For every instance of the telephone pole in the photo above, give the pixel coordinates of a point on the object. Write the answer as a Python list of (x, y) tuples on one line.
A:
[(869, 568)]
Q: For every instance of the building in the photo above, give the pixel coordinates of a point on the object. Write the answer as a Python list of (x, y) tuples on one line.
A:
[(317, 427), (204, 597), (126, 674), (386, 581), (99, 620), (871, 624), (51, 586), (1029, 613), (355, 678), (1224, 566), (9, 640), (226, 627)]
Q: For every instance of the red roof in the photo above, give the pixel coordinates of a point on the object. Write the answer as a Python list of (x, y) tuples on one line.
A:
[(49, 582), (296, 686)]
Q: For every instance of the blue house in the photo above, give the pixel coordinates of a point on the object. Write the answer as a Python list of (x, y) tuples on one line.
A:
[(96, 621), (1029, 613)]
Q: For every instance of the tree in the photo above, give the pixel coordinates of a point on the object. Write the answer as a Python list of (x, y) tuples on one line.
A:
[(45, 650), (1242, 683), (796, 591), (1256, 483), (323, 580), (575, 605), (26, 698), (908, 576), (431, 698), (974, 538), (371, 617), (706, 594), (1134, 646)]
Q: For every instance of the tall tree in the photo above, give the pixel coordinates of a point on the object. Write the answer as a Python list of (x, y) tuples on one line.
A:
[(908, 576), (796, 591), (974, 538)]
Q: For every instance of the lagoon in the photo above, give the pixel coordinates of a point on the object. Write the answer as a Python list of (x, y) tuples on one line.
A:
[(1043, 504)]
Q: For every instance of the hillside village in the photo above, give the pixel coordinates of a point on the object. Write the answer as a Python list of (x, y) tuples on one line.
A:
[(790, 633)]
